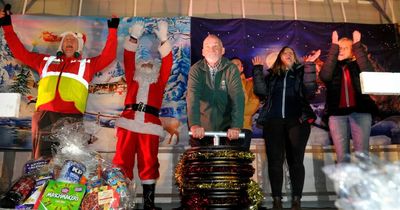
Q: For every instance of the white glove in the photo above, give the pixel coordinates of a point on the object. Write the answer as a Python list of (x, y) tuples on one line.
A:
[(136, 31), (162, 32)]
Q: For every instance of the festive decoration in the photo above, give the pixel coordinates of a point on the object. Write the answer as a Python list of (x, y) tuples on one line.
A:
[(255, 194), (74, 174), (217, 177)]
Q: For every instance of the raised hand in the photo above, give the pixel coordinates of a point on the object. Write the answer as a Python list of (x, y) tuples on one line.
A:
[(162, 32), (257, 61), (136, 31), (356, 36), (113, 22), (312, 57), (335, 37), (5, 16)]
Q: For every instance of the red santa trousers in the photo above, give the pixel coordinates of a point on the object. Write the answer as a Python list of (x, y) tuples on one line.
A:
[(145, 146)]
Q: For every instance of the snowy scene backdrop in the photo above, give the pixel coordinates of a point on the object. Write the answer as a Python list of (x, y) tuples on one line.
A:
[(108, 87), (244, 38)]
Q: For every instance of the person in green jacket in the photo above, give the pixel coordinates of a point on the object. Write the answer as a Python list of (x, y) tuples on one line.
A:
[(215, 98)]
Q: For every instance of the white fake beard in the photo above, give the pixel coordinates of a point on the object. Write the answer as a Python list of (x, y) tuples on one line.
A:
[(146, 74)]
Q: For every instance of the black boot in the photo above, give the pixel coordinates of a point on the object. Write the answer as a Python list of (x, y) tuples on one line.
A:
[(277, 203), (296, 203), (148, 197)]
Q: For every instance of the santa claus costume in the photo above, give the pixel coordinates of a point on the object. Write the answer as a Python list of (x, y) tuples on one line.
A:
[(139, 127)]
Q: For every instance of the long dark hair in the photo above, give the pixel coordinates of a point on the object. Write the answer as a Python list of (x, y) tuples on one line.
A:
[(279, 67)]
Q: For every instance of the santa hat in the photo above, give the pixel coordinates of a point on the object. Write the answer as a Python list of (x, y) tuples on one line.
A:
[(81, 41)]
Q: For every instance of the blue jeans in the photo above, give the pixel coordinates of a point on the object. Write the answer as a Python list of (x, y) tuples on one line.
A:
[(355, 125)]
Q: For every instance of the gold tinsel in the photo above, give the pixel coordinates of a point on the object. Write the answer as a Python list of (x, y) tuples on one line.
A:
[(220, 154), (179, 169), (194, 155), (255, 194), (218, 185), (253, 189)]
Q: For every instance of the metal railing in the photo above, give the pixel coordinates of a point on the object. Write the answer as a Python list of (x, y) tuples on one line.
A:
[(217, 136)]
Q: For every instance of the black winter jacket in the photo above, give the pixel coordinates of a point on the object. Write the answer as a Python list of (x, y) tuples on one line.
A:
[(305, 87), (331, 74)]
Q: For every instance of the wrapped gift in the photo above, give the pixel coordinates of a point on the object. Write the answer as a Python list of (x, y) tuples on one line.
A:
[(61, 196), (104, 198)]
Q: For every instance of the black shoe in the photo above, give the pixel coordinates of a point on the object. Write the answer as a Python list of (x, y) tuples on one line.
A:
[(277, 203), (296, 203), (148, 197)]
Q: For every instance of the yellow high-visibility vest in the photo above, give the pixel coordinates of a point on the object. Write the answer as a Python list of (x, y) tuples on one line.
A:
[(72, 87)]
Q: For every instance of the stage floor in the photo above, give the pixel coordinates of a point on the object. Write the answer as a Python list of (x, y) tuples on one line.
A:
[(306, 205)]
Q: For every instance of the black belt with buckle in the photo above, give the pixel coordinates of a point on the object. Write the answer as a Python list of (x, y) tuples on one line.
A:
[(141, 107)]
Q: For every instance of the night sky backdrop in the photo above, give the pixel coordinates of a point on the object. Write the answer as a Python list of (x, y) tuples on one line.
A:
[(246, 38)]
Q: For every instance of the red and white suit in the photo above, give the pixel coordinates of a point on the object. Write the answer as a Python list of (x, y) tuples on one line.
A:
[(139, 132)]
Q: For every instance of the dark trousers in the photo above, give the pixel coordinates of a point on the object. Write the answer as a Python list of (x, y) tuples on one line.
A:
[(286, 136), (42, 125)]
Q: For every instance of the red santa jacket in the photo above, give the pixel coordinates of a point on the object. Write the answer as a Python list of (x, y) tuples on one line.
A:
[(148, 93), (68, 65)]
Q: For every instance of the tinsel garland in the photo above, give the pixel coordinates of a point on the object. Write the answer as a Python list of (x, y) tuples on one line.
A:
[(179, 171), (254, 192), (218, 185), (225, 154), (195, 155), (197, 202), (233, 169)]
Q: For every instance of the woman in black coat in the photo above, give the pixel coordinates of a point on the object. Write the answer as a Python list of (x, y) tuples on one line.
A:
[(286, 117)]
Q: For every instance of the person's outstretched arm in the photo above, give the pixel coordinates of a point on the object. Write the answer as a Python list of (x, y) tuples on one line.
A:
[(310, 75), (109, 52), (259, 85), (330, 64), (165, 51), (236, 95), (360, 53), (130, 47), (19, 51), (193, 97)]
